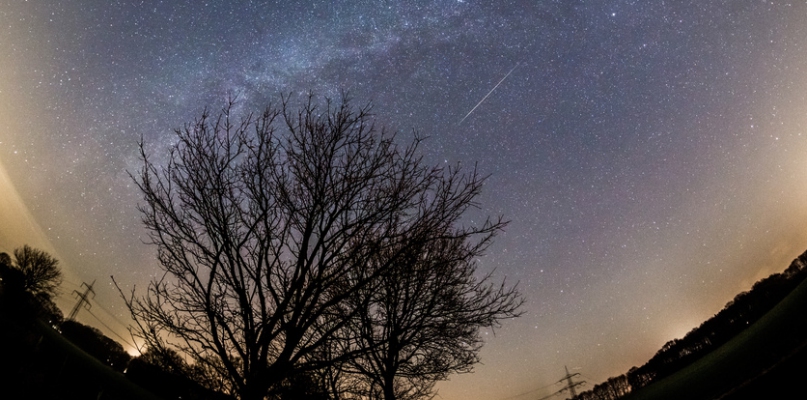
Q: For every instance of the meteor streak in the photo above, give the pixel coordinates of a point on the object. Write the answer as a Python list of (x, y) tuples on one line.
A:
[(486, 96)]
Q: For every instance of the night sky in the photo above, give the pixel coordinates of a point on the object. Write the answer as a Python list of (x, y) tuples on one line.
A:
[(652, 156)]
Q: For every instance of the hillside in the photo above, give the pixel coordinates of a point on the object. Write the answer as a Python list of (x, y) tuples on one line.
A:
[(752, 335), (38, 363)]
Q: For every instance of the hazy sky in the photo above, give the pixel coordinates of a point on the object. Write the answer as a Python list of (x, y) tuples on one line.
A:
[(652, 155)]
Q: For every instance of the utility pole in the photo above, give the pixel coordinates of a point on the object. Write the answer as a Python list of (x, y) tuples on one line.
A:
[(82, 299), (570, 385)]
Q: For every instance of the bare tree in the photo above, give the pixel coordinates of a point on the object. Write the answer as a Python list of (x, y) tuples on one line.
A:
[(422, 322), (40, 272), (5, 260), (266, 227)]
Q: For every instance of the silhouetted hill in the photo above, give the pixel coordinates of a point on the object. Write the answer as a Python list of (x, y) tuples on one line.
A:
[(77, 361), (736, 317)]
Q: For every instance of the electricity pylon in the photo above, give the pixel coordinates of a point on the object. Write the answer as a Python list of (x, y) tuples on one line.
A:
[(82, 299), (570, 384)]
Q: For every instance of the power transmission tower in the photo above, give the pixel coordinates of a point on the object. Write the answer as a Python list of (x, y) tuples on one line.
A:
[(82, 299), (570, 385)]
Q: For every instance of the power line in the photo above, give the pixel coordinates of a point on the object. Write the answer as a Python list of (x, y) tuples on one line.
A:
[(84, 301), (110, 329), (570, 385), (71, 282), (530, 391), (112, 315), (551, 395)]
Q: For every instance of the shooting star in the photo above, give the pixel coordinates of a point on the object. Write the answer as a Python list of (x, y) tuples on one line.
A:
[(486, 96)]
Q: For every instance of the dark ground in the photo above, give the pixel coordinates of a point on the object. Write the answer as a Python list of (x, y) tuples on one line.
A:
[(766, 361), (37, 363), (779, 382)]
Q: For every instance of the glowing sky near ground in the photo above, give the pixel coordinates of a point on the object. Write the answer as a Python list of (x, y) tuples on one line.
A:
[(652, 156)]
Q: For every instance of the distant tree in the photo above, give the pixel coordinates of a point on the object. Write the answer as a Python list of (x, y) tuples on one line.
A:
[(40, 271), (207, 375), (5, 261), (422, 322), (739, 313), (167, 360), (267, 226), (797, 268), (10, 277), (640, 377), (14, 301), (303, 386), (29, 283), (96, 344), (165, 373), (48, 310)]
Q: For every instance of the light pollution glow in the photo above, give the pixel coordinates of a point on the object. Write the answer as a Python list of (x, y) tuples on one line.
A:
[(652, 159)]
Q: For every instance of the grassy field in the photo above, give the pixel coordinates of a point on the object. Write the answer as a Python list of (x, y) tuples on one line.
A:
[(38, 363), (761, 360)]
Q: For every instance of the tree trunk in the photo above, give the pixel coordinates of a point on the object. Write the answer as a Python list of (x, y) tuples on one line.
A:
[(389, 387), (254, 389), (253, 392)]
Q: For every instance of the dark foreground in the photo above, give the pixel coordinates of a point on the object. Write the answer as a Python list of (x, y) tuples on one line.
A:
[(779, 382), (768, 360), (36, 362)]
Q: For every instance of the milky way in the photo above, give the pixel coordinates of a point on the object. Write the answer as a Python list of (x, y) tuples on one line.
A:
[(652, 156)]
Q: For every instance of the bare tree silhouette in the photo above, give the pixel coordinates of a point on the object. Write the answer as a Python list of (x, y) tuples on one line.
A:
[(41, 275), (268, 228), (422, 322)]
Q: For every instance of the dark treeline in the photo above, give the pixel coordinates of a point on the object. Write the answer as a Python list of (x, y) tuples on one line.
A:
[(28, 284), (96, 344), (34, 364), (737, 315)]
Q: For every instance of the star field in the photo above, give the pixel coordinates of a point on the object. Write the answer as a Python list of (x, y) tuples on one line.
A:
[(651, 156)]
